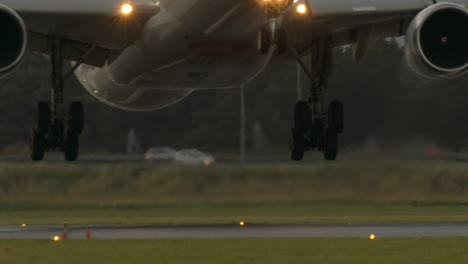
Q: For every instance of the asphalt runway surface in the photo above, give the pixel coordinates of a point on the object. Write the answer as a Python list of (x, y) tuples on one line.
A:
[(235, 231)]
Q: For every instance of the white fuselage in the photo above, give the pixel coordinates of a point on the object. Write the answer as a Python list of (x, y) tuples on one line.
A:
[(181, 49)]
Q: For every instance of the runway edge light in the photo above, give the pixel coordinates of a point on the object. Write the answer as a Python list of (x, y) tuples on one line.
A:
[(372, 237)]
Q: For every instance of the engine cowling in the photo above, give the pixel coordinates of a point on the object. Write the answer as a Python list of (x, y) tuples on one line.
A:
[(13, 40), (437, 41)]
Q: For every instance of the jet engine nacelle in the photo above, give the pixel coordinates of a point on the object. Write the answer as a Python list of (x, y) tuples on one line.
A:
[(437, 42), (13, 40)]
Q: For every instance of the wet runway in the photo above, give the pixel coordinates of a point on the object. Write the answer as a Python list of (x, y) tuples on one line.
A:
[(234, 231)]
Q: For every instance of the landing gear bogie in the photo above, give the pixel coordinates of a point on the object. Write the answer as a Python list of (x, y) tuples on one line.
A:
[(297, 144), (42, 117), (55, 129), (71, 146), (302, 116), (36, 145), (76, 118), (336, 117), (330, 146), (316, 126)]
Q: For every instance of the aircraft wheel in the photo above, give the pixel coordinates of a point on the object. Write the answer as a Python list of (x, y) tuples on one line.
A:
[(71, 147), (42, 114), (336, 117), (264, 41), (296, 145), (36, 145), (302, 116), (330, 146), (75, 118)]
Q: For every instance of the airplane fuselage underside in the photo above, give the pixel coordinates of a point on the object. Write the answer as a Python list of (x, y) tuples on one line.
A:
[(172, 58)]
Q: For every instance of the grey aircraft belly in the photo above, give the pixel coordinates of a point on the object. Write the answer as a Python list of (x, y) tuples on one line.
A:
[(143, 55)]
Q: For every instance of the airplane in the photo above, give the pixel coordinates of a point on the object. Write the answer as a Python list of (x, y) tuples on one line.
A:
[(143, 55)]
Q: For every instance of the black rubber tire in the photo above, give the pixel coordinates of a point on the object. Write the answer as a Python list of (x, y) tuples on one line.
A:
[(71, 148), (296, 145), (36, 145), (42, 117), (302, 116), (75, 118), (330, 146), (264, 41), (336, 117), (281, 41)]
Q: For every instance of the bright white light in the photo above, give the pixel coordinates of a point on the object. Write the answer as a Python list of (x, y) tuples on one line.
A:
[(126, 9), (301, 9)]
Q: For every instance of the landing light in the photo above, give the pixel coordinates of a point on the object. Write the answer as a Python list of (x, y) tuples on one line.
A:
[(56, 238), (301, 9), (126, 9)]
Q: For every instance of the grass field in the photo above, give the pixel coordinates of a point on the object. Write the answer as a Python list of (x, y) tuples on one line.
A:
[(264, 193), (230, 251), (323, 212), (48, 185)]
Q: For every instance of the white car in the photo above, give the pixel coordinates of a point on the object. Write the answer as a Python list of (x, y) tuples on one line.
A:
[(193, 157), (160, 154)]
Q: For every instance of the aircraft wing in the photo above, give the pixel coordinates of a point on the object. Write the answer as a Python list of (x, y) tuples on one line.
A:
[(83, 24), (354, 22), (99, 23)]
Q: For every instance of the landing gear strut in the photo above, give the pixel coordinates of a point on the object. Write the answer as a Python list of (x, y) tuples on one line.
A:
[(317, 127), (54, 128)]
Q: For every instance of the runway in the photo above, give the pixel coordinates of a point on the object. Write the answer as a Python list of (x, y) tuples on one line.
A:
[(235, 231)]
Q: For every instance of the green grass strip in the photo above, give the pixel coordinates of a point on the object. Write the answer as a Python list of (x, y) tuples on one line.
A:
[(327, 212), (237, 251)]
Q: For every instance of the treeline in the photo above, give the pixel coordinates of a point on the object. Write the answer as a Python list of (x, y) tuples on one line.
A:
[(385, 101)]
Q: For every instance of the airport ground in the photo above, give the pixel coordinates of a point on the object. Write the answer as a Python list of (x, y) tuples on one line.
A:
[(230, 213), (343, 192), (230, 251)]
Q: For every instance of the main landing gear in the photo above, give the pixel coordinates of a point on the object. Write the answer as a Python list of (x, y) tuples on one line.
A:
[(54, 127), (316, 127)]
